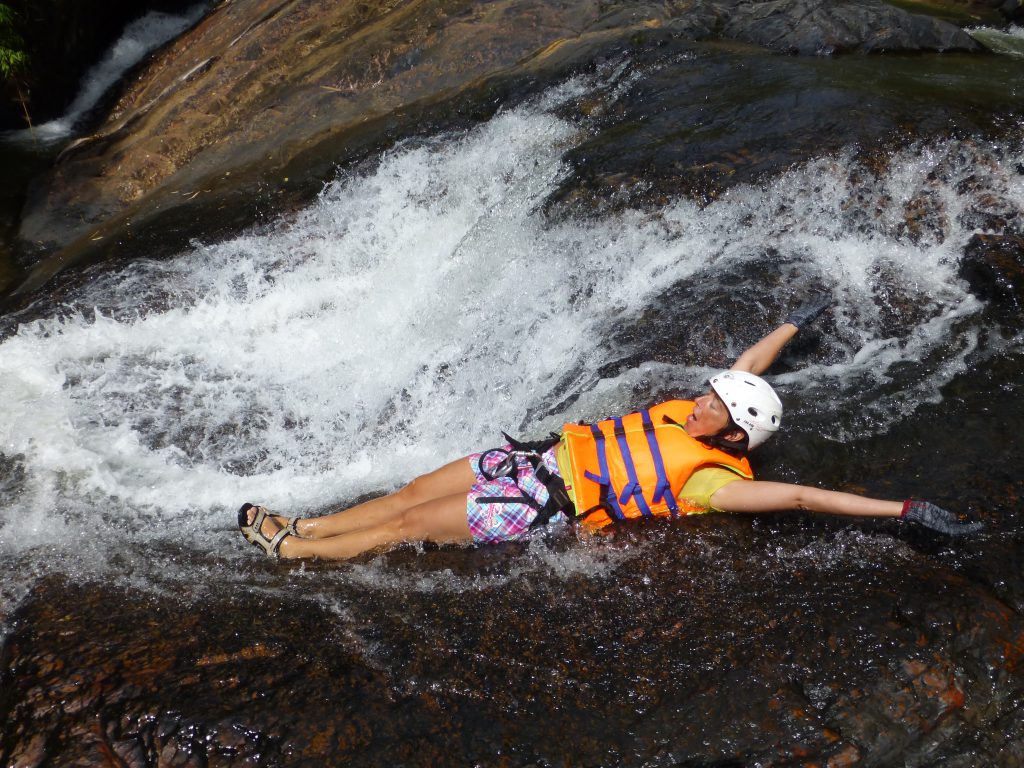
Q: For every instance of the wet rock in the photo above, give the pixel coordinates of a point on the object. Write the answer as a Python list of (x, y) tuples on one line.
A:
[(157, 697), (690, 650), (823, 27), (993, 265)]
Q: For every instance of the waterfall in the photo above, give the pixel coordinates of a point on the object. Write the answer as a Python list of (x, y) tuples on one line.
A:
[(1007, 42), (139, 38)]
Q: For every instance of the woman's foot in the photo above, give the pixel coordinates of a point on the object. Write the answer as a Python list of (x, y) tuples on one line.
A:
[(261, 529), (290, 524)]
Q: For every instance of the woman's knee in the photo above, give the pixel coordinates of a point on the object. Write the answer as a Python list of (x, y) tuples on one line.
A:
[(451, 478), (407, 525), (438, 520), (412, 493)]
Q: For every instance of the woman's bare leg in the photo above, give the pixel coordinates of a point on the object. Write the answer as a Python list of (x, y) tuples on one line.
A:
[(442, 520), (454, 477)]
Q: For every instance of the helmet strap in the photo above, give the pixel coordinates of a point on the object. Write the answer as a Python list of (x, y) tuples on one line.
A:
[(719, 440)]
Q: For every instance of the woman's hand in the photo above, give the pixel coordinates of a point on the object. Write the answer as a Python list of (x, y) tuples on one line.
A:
[(809, 311), (936, 518), (759, 357)]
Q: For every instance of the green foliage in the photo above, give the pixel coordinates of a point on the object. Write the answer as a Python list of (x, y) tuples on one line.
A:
[(12, 56)]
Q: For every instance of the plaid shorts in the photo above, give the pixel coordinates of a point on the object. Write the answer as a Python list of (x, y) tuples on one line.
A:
[(492, 518)]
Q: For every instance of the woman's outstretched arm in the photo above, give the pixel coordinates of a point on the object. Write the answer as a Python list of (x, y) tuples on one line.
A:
[(760, 496), (759, 357)]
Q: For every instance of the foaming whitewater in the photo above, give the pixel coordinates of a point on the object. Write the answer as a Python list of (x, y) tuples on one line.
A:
[(417, 309), (139, 38), (1007, 42)]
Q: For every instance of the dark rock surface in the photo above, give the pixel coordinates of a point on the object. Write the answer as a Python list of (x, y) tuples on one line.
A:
[(994, 267), (722, 663), (256, 105), (816, 27)]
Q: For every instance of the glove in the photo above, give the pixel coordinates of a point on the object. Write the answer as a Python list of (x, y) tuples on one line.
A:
[(809, 310), (938, 519)]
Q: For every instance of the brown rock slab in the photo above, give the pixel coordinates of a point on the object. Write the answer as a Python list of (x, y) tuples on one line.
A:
[(676, 656)]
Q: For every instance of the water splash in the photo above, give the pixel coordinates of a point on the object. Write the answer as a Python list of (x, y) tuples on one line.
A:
[(1007, 42), (419, 307)]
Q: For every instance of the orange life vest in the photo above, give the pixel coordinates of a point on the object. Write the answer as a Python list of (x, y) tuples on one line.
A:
[(636, 465)]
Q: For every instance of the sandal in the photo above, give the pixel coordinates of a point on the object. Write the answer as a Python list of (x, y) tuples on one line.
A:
[(289, 525), (253, 533)]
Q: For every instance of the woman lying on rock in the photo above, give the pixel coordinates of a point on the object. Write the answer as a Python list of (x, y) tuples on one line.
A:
[(678, 458)]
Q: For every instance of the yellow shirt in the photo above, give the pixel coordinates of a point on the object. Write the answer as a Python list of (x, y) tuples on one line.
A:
[(702, 485)]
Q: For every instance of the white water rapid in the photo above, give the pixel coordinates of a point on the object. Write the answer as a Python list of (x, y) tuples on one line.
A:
[(1007, 42), (416, 309)]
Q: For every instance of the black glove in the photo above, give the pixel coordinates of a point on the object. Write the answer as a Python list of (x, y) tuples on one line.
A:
[(938, 519), (809, 310)]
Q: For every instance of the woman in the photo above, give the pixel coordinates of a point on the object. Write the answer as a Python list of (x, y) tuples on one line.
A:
[(676, 458)]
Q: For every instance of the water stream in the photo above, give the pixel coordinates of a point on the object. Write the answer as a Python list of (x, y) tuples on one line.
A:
[(1007, 42), (424, 302), (139, 38)]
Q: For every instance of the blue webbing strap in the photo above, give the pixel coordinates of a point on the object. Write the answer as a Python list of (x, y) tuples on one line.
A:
[(663, 490), (632, 488), (604, 480)]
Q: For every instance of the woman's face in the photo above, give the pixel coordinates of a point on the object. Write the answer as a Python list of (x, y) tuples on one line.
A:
[(709, 417)]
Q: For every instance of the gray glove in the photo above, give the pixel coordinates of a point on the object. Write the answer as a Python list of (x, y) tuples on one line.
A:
[(938, 519), (810, 309)]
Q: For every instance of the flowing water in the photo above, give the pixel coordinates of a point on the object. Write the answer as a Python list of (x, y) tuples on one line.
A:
[(419, 307), (139, 38), (1007, 42)]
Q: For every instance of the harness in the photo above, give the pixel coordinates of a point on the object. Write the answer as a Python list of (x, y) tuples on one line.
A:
[(532, 451)]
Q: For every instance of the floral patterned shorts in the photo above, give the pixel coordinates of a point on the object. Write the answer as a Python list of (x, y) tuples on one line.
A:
[(495, 509)]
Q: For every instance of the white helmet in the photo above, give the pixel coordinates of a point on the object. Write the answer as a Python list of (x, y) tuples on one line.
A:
[(752, 403)]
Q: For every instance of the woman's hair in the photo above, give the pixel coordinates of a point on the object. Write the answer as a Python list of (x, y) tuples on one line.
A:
[(738, 448)]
